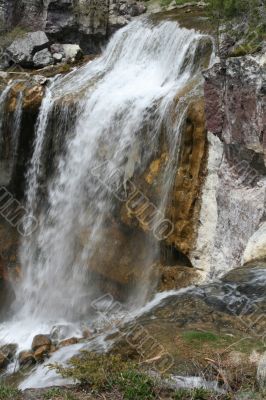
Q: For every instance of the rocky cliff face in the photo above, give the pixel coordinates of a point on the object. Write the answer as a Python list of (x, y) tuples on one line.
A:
[(233, 202), (87, 22)]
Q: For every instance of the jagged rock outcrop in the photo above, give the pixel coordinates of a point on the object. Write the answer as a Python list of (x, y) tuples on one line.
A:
[(22, 50), (234, 198), (235, 102), (86, 22)]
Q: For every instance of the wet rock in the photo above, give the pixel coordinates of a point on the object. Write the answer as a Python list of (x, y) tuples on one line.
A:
[(7, 354), (41, 353), (43, 58), (117, 21), (86, 334), (40, 341), (60, 332), (7, 295), (72, 52), (68, 342), (21, 51), (26, 358), (40, 79), (176, 277)]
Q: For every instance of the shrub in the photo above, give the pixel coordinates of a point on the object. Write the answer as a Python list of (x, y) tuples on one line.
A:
[(108, 372)]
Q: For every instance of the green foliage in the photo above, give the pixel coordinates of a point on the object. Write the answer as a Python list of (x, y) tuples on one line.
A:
[(6, 38), (229, 8), (249, 13), (134, 385), (52, 393), (166, 3), (199, 336), (8, 392), (108, 372)]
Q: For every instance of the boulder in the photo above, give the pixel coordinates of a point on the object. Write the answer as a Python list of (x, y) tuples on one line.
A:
[(26, 358), (43, 58), (57, 48), (41, 353), (7, 354), (22, 50), (72, 52), (40, 341), (39, 79), (116, 22), (68, 342), (3, 75), (57, 57)]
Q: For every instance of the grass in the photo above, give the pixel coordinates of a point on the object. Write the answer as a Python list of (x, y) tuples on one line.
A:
[(199, 394), (200, 336), (52, 393), (8, 392), (107, 373), (206, 339), (135, 385)]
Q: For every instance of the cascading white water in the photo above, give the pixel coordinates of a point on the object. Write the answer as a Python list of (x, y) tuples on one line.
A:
[(3, 98), (16, 130), (132, 86)]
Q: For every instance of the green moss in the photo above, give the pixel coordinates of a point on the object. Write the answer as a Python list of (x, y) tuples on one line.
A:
[(199, 336)]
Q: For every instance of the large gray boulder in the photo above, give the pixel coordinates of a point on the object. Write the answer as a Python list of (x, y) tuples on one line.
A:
[(42, 58), (22, 50)]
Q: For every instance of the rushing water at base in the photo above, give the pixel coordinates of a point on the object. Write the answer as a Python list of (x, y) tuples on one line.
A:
[(110, 112)]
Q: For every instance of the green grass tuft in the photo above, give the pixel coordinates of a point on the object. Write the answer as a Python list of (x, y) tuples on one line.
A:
[(8, 392), (200, 336)]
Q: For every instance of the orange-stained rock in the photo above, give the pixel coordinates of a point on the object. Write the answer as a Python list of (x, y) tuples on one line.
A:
[(176, 277), (184, 201), (26, 358), (41, 353), (7, 354), (68, 342), (40, 341)]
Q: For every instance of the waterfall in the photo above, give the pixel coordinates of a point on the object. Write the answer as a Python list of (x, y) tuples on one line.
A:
[(3, 98), (16, 131), (109, 114), (34, 171)]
